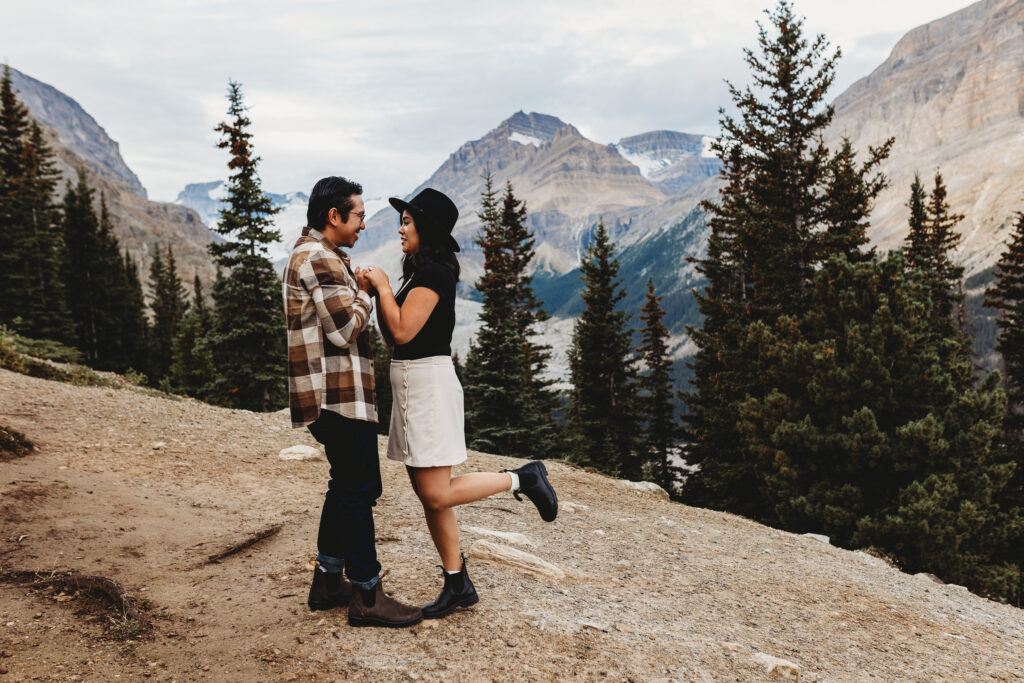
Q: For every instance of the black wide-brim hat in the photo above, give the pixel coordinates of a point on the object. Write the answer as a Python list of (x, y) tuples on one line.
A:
[(435, 216)]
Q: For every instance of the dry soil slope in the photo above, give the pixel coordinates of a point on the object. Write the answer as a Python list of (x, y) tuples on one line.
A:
[(952, 94), (140, 489)]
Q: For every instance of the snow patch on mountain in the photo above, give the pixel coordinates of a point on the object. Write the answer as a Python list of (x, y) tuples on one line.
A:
[(706, 152), (647, 164), (525, 139)]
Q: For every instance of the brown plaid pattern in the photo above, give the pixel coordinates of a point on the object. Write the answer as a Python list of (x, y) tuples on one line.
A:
[(330, 363)]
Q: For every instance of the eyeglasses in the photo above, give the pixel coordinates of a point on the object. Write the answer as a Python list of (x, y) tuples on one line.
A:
[(361, 214)]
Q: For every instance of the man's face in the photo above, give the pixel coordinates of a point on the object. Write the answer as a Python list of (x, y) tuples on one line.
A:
[(345, 233)]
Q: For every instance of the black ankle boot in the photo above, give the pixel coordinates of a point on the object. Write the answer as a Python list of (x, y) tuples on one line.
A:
[(534, 484), (458, 591)]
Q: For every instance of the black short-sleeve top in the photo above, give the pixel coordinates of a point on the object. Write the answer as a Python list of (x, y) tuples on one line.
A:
[(435, 337)]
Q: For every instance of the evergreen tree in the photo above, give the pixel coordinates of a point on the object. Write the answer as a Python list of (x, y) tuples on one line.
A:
[(35, 289), (931, 241), (169, 304), (765, 243), (91, 270), (873, 432), (509, 403), (661, 433), (1006, 295), (130, 307), (14, 126), (602, 410), (916, 243), (381, 379), (248, 336), (851, 192), (193, 369)]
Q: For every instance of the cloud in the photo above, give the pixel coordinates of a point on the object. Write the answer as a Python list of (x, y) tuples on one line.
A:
[(384, 91)]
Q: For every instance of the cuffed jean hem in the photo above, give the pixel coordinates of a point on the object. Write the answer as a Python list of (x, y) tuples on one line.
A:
[(331, 565), (334, 565), (365, 585)]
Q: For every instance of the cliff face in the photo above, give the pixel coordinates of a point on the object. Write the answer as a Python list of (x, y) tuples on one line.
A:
[(952, 93), (140, 224), (81, 144), (77, 130)]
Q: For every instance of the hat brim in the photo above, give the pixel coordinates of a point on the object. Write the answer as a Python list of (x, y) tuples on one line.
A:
[(421, 218)]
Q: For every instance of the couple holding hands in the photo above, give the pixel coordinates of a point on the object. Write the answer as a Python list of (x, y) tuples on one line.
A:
[(331, 391)]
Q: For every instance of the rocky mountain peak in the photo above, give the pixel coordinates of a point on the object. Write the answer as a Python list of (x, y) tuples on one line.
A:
[(76, 129), (666, 144), (532, 128)]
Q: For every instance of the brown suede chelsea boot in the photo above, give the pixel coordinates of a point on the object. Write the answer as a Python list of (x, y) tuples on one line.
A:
[(328, 591), (376, 608)]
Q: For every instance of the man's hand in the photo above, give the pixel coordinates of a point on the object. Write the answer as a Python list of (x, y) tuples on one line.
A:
[(362, 282)]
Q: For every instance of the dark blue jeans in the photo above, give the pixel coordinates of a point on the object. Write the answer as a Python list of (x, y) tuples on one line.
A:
[(346, 538)]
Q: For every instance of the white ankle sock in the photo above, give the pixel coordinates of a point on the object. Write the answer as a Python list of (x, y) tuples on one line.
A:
[(515, 481), (457, 571)]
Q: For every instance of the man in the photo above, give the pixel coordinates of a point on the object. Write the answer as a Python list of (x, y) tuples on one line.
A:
[(330, 383)]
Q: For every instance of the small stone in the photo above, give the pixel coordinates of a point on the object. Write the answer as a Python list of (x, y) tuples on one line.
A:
[(509, 536), (568, 506), (730, 646), (158, 445), (819, 537), (300, 453), (648, 487), (925, 576), (780, 668), (513, 557)]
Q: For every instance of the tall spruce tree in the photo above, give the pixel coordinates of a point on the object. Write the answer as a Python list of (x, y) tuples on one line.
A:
[(84, 272), (1006, 295), (930, 243), (14, 127), (248, 336), (381, 379), (130, 308), (193, 370), (874, 433), (36, 291), (765, 244), (661, 432), (851, 191), (509, 402), (169, 305), (602, 412)]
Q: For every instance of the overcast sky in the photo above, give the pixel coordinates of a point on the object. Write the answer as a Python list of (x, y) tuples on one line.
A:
[(383, 91)]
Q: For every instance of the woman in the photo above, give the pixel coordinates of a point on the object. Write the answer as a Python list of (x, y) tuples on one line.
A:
[(427, 415)]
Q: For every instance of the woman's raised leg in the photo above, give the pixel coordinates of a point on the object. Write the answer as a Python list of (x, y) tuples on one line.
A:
[(439, 493)]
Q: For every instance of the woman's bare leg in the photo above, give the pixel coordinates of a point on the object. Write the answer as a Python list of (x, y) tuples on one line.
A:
[(439, 493)]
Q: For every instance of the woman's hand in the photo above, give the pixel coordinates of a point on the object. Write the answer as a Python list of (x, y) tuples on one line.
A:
[(377, 278)]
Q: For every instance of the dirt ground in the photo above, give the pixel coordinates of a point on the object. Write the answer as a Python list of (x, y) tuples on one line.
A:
[(142, 489)]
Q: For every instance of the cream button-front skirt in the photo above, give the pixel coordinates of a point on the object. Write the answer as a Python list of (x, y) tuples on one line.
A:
[(427, 419)]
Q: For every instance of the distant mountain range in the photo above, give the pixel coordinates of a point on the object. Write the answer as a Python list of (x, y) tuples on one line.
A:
[(952, 92)]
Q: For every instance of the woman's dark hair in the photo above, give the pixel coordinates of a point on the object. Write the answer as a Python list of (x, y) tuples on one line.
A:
[(332, 192), (430, 251)]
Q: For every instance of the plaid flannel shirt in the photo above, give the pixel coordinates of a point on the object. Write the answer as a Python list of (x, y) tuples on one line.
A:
[(330, 361)]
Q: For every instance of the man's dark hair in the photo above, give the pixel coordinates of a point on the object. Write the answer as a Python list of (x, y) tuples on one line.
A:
[(332, 192)]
